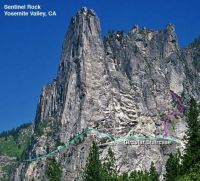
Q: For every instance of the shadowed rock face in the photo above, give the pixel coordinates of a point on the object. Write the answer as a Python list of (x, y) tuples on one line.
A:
[(122, 83)]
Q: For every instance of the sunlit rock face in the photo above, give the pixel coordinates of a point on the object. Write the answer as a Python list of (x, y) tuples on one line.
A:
[(120, 86)]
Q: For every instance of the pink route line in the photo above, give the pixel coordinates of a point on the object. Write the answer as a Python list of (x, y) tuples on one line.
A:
[(174, 113)]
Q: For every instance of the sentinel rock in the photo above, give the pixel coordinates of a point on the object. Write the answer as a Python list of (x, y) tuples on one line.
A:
[(120, 86)]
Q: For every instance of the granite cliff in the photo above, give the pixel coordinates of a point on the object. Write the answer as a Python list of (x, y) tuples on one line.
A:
[(121, 85)]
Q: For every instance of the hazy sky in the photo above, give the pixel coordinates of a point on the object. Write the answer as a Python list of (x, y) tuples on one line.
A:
[(30, 46)]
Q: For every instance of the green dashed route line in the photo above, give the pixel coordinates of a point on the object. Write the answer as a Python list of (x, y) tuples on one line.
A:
[(104, 135)]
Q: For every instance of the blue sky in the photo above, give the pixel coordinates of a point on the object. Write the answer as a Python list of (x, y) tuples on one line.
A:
[(30, 47)]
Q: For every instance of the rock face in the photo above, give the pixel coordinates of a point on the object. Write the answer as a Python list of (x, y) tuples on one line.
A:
[(120, 86), (8, 164)]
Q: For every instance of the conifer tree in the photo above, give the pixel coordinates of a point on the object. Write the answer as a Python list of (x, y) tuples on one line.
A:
[(123, 177), (192, 174), (188, 170), (93, 168), (139, 176), (109, 166), (153, 174), (53, 171), (192, 149), (173, 167)]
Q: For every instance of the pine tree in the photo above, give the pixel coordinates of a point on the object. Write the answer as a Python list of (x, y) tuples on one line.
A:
[(93, 168), (109, 167), (153, 174), (53, 171), (123, 177), (188, 170), (173, 167), (192, 150), (192, 174), (140, 176)]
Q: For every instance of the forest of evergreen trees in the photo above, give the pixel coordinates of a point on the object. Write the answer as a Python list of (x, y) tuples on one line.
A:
[(15, 131), (95, 170)]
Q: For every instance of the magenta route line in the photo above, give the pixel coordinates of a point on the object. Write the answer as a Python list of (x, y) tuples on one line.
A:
[(174, 113)]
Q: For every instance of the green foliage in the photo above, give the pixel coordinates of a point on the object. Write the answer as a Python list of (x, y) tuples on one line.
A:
[(15, 131), (173, 167), (192, 174), (186, 168), (153, 174), (53, 171), (109, 164), (109, 168), (93, 168), (192, 150), (123, 177), (96, 171), (15, 142), (139, 176)]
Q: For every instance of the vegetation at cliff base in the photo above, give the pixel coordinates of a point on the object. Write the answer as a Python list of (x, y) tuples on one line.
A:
[(95, 170), (186, 167)]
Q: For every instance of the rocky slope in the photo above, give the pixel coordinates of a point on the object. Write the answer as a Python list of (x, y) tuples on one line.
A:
[(120, 86)]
